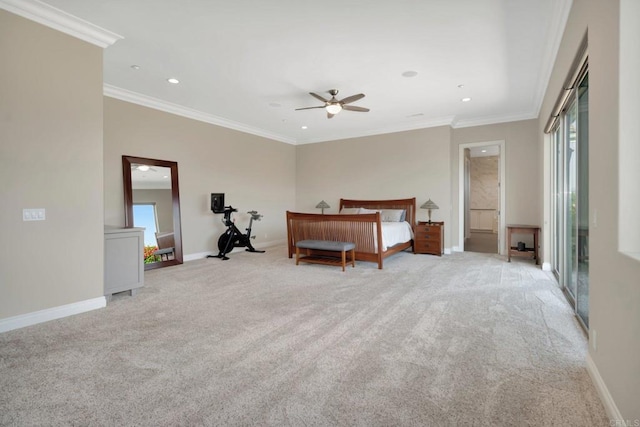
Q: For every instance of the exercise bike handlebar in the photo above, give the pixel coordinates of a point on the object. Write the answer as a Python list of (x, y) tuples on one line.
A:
[(254, 215)]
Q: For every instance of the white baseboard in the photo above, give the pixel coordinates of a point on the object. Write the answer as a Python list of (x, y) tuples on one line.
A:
[(193, 257), (23, 320), (607, 400), (546, 266), (447, 251), (456, 249)]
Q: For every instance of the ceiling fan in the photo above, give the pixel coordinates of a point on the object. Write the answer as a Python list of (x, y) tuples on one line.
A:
[(334, 106)]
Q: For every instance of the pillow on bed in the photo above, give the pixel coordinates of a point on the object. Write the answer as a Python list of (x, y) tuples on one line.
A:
[(349, 211), (392, 215), (368, 211)]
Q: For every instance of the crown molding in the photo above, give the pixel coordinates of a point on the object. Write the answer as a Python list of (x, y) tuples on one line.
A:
[(559, 18), (442, 121), (493, 120), (57, 19), (179, 110)]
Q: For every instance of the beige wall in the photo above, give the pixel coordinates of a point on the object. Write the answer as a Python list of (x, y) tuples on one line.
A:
[(484, 197), (484, 178), (253, 172), (522, 175), (614, 278), (392, 166), (50, 157)]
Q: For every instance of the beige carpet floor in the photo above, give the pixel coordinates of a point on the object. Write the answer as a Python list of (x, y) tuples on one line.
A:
[(460, 340)]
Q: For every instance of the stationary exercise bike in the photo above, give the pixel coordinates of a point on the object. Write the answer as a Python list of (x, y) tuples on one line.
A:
[(232, 237)]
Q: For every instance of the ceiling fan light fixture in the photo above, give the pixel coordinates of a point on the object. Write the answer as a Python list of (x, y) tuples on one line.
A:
[(334, 105), (333, 108), (143, 168)]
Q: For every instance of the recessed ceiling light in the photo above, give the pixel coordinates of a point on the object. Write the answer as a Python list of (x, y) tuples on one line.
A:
[(135, 67), (410, 73), (465, 99), (143, 168), (173, 81), (484, 151), (166, 176), (460, 86), (303, 127)]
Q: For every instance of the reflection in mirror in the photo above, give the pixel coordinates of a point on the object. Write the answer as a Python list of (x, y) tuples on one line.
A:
[(152, 201)]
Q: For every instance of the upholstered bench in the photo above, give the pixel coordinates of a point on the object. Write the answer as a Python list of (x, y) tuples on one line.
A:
[(317, 252)]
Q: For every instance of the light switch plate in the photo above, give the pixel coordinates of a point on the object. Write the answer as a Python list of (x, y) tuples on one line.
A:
[(34, 214)]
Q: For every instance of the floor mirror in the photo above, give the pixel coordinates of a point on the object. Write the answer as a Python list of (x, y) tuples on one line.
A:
[(152, 201)]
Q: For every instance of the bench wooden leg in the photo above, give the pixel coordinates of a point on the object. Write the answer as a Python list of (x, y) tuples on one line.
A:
[(326, 257)]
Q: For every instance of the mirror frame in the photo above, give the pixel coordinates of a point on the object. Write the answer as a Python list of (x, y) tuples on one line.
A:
[(127, 161)]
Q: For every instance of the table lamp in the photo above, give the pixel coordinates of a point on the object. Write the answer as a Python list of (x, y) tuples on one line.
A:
[(322, 205), (429, 205)]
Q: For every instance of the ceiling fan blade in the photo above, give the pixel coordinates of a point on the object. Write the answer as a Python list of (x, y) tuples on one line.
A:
[(352, 98), (355, 108), (315, 95), (329, 115), (309, 108)]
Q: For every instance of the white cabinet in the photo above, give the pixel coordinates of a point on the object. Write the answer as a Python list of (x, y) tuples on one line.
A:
[(483, 219), (123, 259)]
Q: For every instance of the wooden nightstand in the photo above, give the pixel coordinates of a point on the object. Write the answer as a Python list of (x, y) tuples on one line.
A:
[(428, 238)]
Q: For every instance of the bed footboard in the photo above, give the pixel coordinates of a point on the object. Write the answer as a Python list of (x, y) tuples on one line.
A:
[(364, 230)]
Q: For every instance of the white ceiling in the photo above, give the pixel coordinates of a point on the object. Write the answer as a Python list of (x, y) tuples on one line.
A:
[(248, 64)]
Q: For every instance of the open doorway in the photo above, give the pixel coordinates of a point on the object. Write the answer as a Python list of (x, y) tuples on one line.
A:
[(482, 197)]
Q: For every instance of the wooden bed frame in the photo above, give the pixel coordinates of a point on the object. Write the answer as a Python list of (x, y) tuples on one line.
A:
[(362, 229)]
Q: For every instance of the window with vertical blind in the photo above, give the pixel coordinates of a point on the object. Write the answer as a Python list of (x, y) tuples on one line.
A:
[(569, 128)]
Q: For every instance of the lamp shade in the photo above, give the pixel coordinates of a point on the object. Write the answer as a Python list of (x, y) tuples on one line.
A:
[(429, 205), (322, 205)]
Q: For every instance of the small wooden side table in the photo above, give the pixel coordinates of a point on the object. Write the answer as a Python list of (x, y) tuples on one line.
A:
[(523, 229), (428, 238)]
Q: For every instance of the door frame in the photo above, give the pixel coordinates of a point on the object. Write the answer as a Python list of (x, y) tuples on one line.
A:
[(461, 204)]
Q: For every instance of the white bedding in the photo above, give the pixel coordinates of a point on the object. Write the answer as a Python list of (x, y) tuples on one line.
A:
[(394, 233)]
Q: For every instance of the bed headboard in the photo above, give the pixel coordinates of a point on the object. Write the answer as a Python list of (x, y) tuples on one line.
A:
[(409, 205)]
